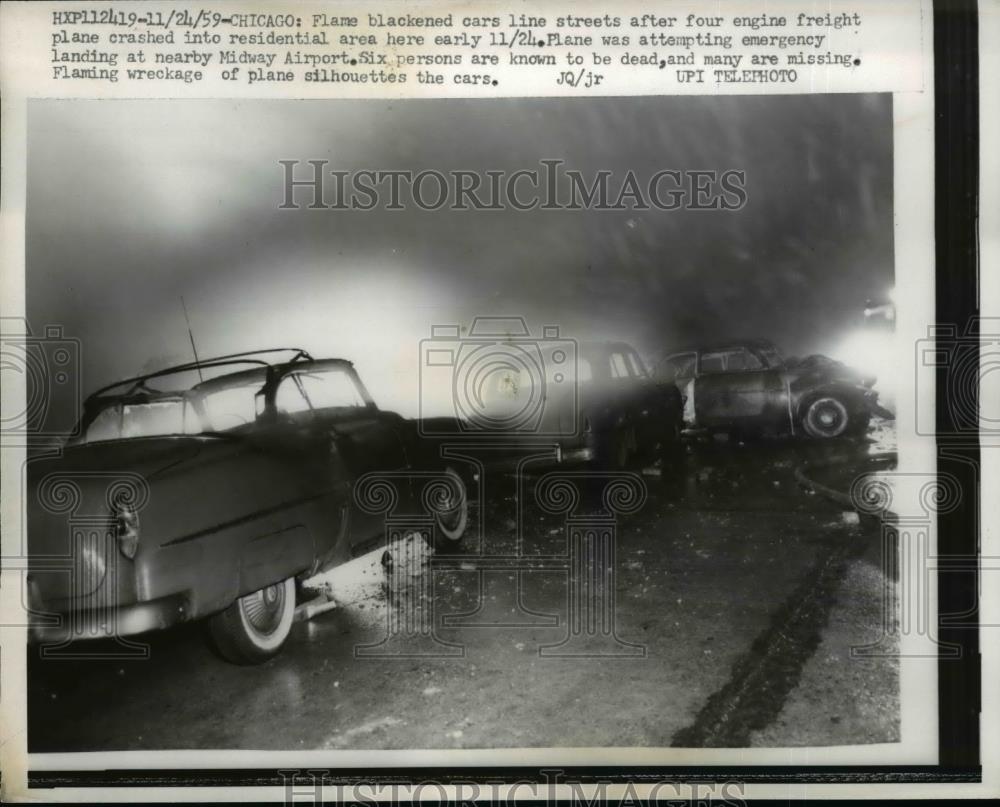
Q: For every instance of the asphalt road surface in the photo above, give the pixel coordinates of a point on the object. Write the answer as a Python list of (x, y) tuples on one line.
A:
[(738, 597)]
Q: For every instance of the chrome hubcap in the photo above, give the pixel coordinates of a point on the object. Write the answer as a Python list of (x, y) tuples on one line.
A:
[(449, 506), (827, 417), (263, 609), (451, 518)]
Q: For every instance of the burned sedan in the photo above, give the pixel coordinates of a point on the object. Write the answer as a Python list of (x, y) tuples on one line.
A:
[(209, 489), (746, 388), (625, 415), (602, 409)]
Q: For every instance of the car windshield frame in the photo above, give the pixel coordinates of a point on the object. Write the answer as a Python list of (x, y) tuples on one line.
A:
[(296, 375)]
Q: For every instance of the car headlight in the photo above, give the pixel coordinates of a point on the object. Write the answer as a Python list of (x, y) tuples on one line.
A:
[(127, 530)]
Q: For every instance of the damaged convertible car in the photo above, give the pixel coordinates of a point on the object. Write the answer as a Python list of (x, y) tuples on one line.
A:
[(746, 388), (206, 490)]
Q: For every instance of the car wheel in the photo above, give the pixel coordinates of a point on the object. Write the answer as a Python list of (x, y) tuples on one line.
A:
[(453, 516), (254, 628), (825, 418)]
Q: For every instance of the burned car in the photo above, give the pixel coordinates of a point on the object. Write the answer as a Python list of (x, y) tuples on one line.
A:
[(746, 388), (601, 408), (209, 489)]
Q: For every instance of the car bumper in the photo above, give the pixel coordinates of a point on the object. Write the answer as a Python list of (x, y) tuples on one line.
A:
[(575, 456), (529, 457), (51, 627)]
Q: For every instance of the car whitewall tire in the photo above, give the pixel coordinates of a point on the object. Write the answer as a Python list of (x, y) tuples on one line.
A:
[(254, 628), (451, 523)]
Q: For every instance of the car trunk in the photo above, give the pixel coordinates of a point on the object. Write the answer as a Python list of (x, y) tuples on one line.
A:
[(72, 543)]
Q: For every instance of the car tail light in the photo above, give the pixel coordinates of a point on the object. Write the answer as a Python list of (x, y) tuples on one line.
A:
[(127, 530)]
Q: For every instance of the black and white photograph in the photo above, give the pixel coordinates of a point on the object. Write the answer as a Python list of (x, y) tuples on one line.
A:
[(528, 423)]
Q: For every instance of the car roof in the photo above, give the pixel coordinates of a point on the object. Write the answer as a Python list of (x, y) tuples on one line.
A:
[(592, 347), (720, 345), (255, 359), (260, 373)]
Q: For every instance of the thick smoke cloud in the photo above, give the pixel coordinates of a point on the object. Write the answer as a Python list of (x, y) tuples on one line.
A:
[(133, 204)]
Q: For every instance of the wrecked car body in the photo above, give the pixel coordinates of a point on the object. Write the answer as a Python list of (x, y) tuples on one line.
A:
[(746, 388), (612, 415)]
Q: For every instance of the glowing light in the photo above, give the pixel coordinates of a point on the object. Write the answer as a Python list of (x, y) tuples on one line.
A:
[(872, 352)]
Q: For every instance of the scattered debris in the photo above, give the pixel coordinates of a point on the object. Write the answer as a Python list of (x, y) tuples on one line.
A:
[(343, 738)]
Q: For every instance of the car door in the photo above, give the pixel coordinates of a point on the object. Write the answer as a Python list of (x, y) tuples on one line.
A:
[(623, 390), (679, 369), (647, 403), (331, 398), (274, 466), (734, 388)]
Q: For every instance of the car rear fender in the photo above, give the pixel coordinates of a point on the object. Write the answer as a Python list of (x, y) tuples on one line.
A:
[(271, 558), (74, 554), (851, 396)]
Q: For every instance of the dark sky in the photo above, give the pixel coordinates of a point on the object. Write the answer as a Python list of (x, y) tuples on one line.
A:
[(132, 204)]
